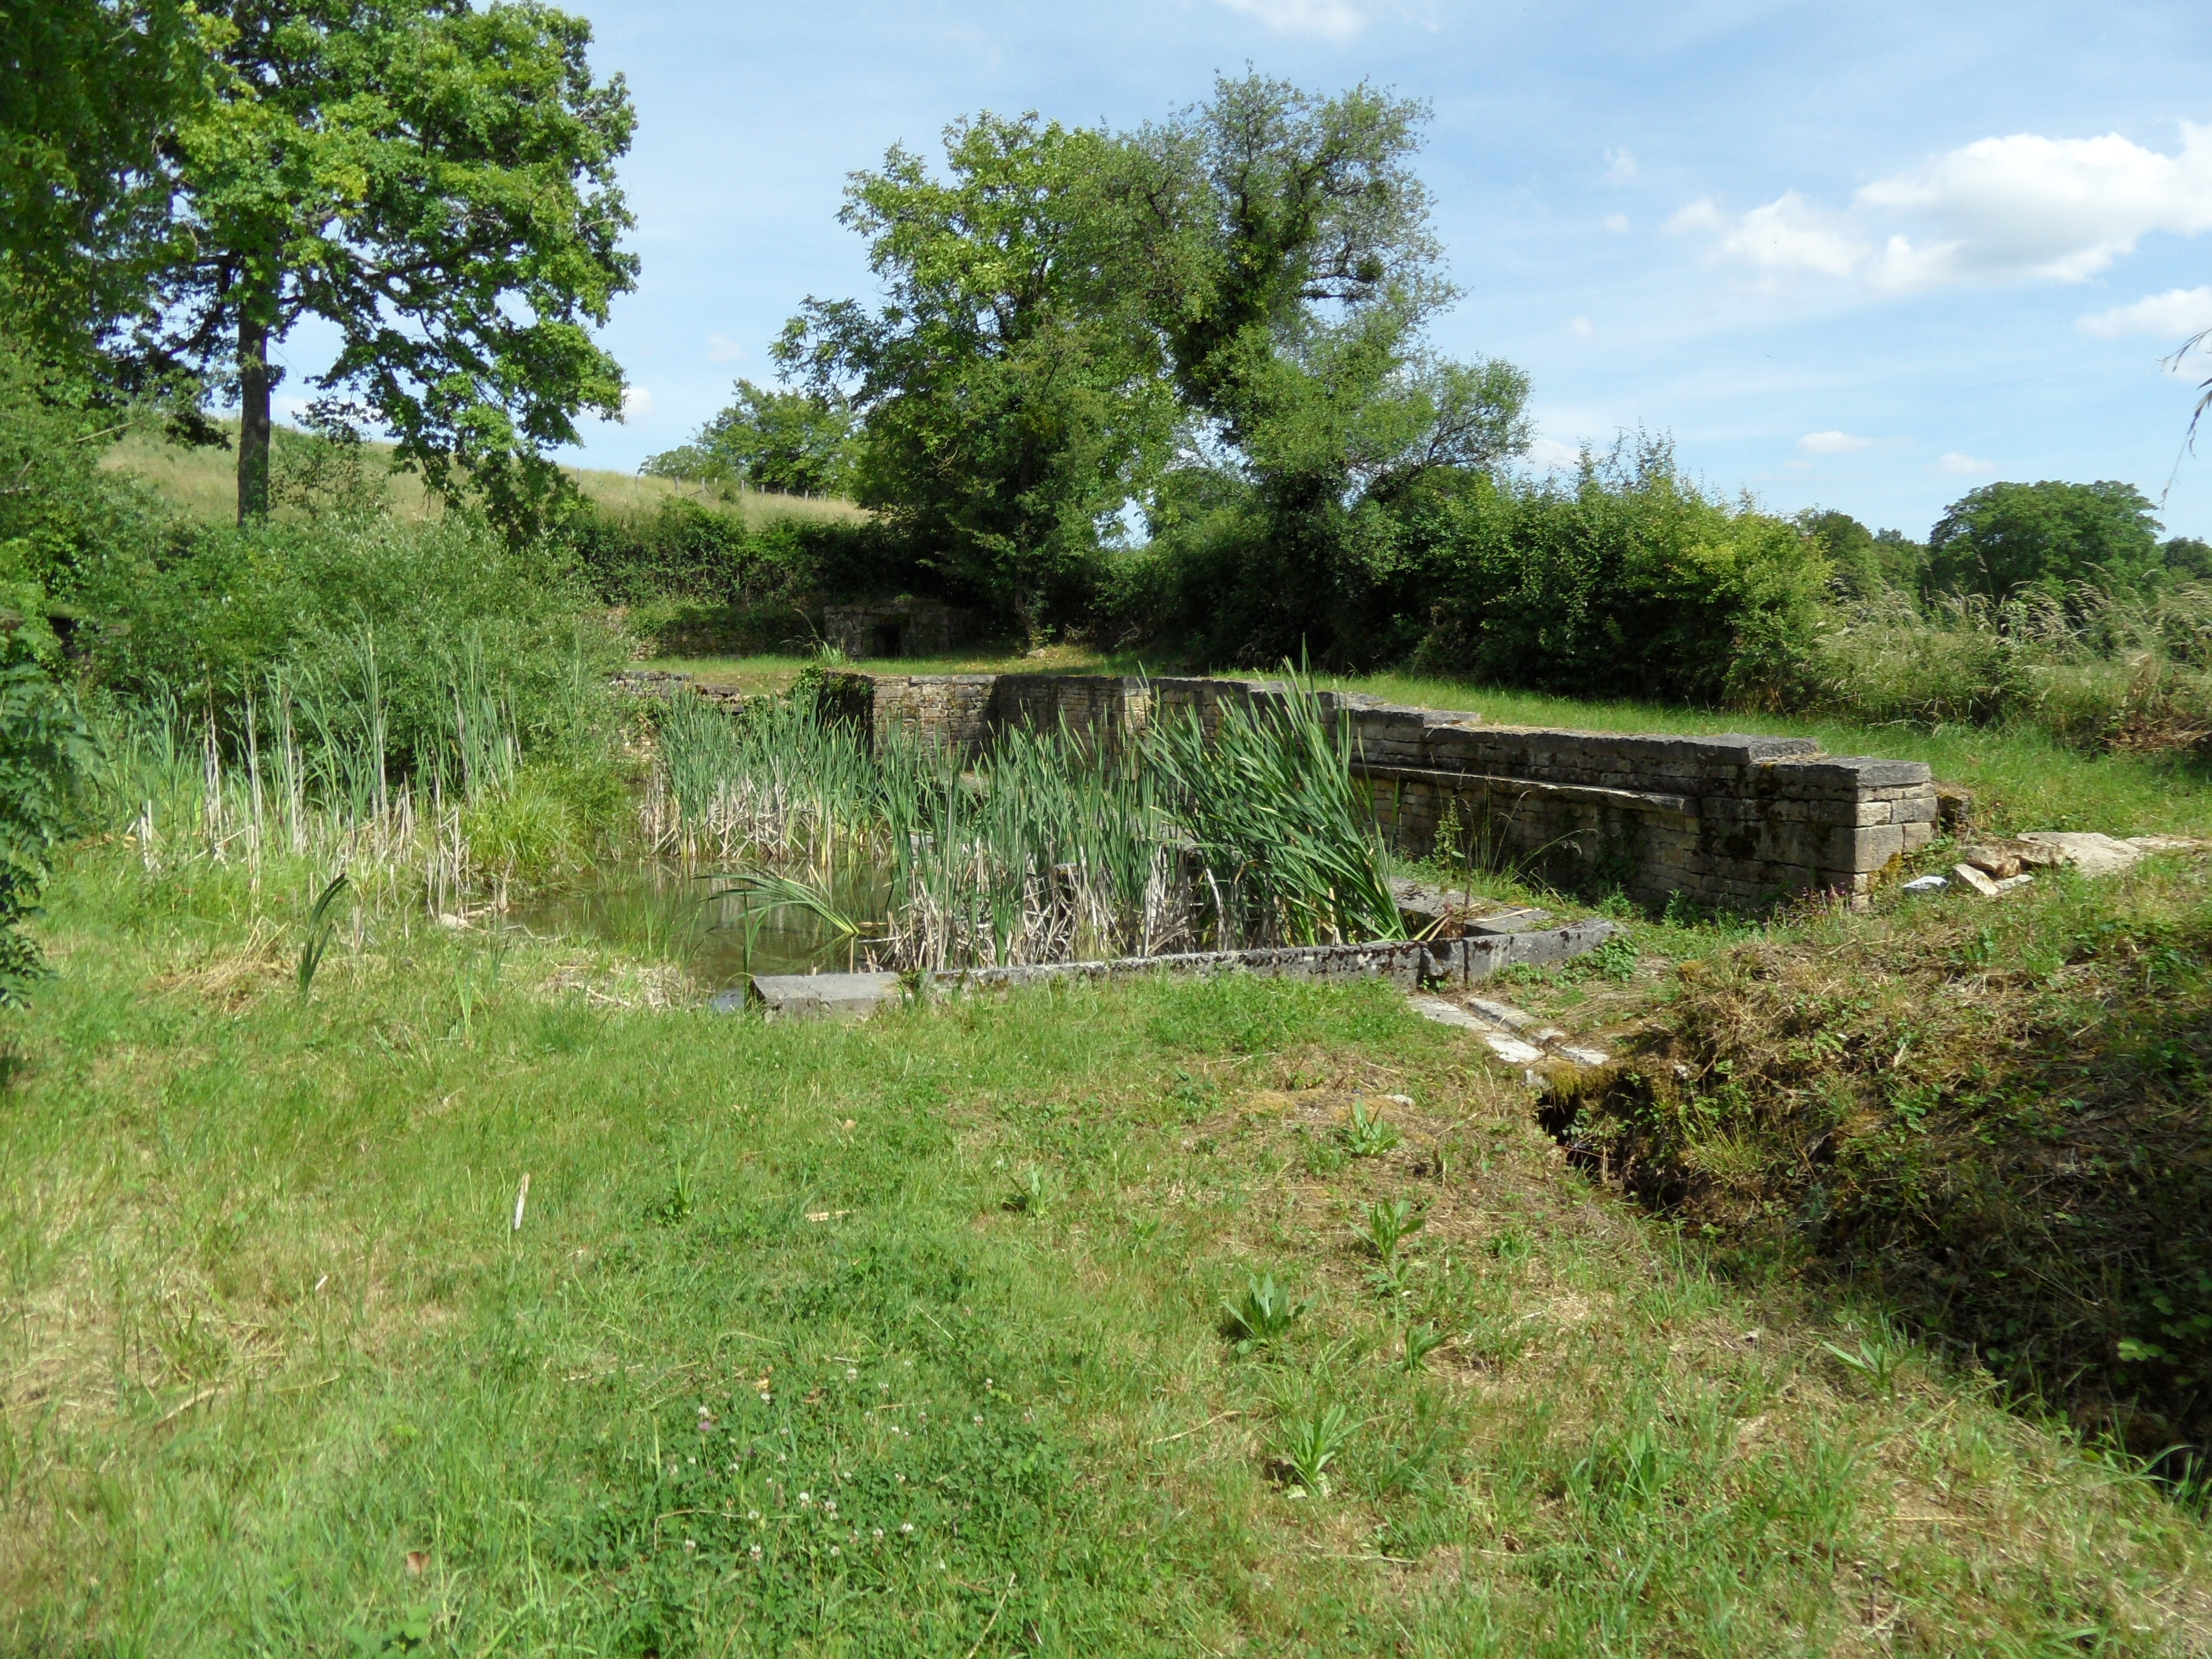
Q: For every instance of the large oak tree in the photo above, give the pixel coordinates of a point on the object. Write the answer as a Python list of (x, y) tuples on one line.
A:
[(436, 181)]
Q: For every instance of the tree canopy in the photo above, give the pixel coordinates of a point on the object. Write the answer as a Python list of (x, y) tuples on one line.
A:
[(1008, 406), (435, 180), (1222, 308), (89, 89), (2003, 539), (798, 443)]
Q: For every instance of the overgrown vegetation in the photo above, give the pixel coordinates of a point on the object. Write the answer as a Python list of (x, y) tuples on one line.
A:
[(384, 1271), (1046, 849), (271, 1320), (1994, 1119)]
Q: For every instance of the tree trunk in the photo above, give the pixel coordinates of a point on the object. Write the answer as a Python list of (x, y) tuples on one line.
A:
[(253, 383)]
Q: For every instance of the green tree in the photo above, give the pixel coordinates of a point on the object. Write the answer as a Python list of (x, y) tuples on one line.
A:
[(435, 180), (88, 90), (1010, 405), (1281, 246), (2004, 538), (1864, 564), (2189, 557), (798, 443), (1256, 220)]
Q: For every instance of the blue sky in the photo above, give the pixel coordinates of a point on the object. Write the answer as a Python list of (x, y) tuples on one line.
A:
[(1859, 256)]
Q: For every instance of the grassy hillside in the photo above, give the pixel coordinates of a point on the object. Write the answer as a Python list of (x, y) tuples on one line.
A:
[(203, 483)]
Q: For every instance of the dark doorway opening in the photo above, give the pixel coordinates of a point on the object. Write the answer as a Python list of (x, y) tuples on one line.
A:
[(884, 641)]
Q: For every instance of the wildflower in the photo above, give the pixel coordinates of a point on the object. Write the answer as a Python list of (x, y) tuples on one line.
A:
[(834, 1550), (829, 1506), (979, 1417), (907, 1527), (752, 1515), (805, 1500), (689, 1545), (879, 1532), (755, 1552), (851, 1376)]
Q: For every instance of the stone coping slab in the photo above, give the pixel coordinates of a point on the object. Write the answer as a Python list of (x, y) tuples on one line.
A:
[(1408, 964)]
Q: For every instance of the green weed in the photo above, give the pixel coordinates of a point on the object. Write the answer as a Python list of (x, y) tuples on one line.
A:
[(320, 926), (1420, 1342), (1366, 1134), (1310, 1445), (1264, 1313)]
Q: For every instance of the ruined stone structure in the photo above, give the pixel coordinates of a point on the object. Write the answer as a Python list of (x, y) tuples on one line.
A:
[(1731, 821), (897, 628)]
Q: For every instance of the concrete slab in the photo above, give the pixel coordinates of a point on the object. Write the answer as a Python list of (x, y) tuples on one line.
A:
[(824, 996), (1444, 1013)]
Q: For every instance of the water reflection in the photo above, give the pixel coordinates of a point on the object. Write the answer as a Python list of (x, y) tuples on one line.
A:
[(684, 915)]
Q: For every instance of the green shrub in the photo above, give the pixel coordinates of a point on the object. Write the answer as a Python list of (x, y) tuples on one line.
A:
[(373, 617), (2098, 670), (553, 819), (1628, 583), (65, 525), (706, 557), (43, 746)]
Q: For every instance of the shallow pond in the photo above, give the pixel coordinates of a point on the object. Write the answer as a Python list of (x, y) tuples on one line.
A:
[(686, 915)]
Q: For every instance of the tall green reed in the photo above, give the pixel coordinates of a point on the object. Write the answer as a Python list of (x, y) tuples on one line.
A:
[(1051, 844)]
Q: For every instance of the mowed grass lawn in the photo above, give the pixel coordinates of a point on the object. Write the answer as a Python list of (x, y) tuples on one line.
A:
[(2022, 779), (906, 1338)]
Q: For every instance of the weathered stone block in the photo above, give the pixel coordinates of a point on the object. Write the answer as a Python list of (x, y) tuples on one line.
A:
[(1865, 849)]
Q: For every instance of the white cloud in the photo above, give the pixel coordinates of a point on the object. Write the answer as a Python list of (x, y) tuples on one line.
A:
[(1621, 165), (1964, 466), (1704, 214), (721, 348), (1582, 328), (636, 401), (1833, 443), (1332, 19), (1617, 223), (2025, 207), (1550, 454), (1790, 234), (2176, 312)]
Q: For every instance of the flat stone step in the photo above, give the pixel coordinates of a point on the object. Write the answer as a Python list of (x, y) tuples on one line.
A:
[(824, 996)]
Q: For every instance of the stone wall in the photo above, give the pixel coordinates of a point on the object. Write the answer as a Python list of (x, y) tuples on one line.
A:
[(898, 628), (1732, 821)]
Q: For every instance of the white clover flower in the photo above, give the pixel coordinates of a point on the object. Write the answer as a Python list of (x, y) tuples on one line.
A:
[(756, 1551), (907, 1527), (805, 1500)]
